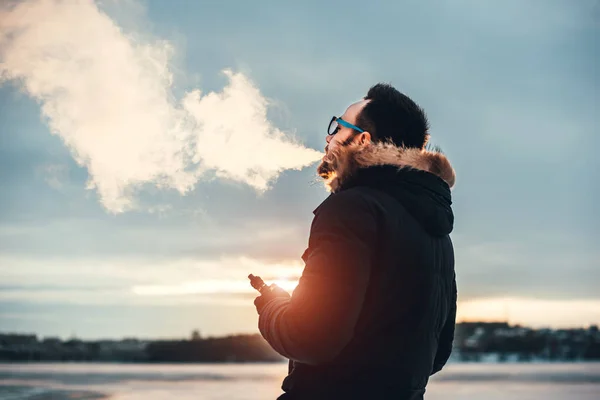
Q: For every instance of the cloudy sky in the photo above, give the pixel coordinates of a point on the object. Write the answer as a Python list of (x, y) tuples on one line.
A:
[(153, 153)]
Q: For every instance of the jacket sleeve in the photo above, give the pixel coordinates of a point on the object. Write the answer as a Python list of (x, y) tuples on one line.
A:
[(447, 335), (318, 321)]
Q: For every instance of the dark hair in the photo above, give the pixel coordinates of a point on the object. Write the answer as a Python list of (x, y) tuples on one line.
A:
[(391, 115)]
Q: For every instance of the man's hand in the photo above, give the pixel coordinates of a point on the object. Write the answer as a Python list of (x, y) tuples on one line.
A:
[(274, 292)]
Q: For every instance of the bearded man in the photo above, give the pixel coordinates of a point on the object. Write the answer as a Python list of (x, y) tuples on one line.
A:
[(374, 312)]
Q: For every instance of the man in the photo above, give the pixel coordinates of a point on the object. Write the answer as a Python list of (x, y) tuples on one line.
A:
[(373, 314)]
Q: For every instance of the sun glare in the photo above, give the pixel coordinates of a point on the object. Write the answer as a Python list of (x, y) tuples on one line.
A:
[(286, 284)]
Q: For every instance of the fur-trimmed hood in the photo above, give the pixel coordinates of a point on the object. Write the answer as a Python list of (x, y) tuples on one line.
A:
[(349, 159), (419, 179)]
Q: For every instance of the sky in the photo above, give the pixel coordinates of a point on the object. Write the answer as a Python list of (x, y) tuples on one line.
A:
[(153, 154)]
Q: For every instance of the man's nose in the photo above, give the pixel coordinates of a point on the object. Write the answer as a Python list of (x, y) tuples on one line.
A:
[(328, 138)]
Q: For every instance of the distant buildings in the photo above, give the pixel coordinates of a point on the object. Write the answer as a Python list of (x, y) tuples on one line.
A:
[(473, 341), (15, 347), (501, 342)]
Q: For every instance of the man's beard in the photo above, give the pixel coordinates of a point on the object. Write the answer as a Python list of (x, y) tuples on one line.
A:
[(327, 166), (329, 163)]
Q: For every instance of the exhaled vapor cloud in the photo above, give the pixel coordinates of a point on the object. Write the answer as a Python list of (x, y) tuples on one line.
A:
[(108, 96)]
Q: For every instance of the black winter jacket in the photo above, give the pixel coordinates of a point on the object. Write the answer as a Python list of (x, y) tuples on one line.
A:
[(373, 314)]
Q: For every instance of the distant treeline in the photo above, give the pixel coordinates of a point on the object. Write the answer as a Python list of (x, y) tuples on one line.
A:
[(473, 342), (242, 348), (237, 348)]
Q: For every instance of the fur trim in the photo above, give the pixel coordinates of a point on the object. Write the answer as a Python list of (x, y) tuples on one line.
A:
[(346, 160)]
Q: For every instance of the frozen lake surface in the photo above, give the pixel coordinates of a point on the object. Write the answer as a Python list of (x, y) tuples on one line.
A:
[(263, 381)]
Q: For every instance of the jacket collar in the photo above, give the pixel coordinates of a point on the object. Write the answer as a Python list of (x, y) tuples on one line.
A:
[(352, 158)]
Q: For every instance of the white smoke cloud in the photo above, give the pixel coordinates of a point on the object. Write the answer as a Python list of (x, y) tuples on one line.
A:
[(108, 96)]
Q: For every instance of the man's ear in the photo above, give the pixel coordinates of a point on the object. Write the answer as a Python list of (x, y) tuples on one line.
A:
[(364, 138)]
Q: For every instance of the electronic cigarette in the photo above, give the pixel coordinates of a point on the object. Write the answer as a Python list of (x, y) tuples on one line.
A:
[(258, 284)]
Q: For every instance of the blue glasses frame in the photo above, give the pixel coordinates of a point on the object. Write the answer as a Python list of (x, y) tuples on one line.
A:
[(340, 121)]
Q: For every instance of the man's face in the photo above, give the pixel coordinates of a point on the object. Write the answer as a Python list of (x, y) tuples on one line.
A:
[(343, 137)]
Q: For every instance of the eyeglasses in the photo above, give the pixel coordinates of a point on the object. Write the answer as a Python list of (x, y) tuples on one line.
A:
[(334, 126)]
